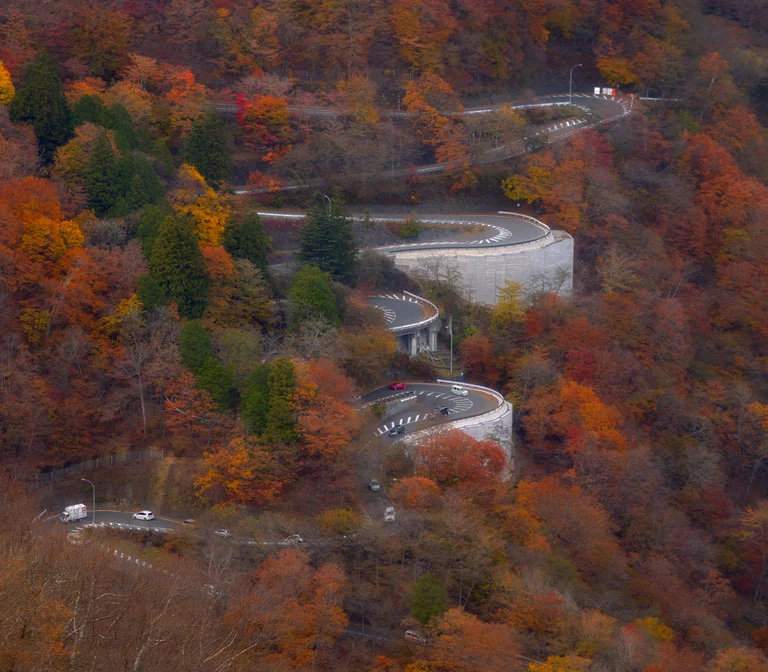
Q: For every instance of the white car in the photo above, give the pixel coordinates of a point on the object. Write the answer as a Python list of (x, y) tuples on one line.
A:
[(389, 514), (416, 637), (294, 540), (143, 515), (223, 533)]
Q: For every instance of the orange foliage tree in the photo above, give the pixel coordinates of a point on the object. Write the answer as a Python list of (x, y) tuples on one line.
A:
[(464, 643), (454, 458), (572, 522), (422, 29), (416, 492), (292, 613), (245, 471), (265, 124), (570, 416), (327, 420)]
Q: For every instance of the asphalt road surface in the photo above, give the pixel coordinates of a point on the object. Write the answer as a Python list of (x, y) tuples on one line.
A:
[(400, 310), (124, 519), (498, 230), (425, 399)]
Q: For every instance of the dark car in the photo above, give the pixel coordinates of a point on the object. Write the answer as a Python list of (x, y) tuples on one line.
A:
[(398, 386), (397, 429), (444, 410)]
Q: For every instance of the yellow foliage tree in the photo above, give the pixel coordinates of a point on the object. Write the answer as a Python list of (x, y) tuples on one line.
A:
[(35, 324), (655, 629), (45, 239), (127, 308), (72, 159), (561, 664), (7, 90), (209, 211), (532, 185), (509, 312)]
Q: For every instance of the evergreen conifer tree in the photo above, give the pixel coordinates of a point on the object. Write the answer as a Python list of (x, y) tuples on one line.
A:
[(41, 103), (89, 107), (150, 293), (245, 239), (327, 240), (255, 406), (281, 423), (194, 346), (428, 598), (103, 177), (311, 296), (149, 226), (216, 380), (179, 267), (207, 149)]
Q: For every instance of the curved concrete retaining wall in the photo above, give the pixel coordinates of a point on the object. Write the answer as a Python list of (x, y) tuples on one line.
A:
[(545, 265), (418, 325)]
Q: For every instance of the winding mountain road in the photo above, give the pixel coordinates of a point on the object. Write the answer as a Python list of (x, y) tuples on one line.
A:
[(425, 402), (593, 110)]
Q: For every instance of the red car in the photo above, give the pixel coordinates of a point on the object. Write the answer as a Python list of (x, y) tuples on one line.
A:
[(398, 386)]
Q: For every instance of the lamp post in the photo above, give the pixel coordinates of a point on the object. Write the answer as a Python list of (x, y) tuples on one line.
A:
[(570, 86), (93, 510)]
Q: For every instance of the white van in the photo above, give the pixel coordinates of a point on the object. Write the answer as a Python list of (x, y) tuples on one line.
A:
[(459, 391)]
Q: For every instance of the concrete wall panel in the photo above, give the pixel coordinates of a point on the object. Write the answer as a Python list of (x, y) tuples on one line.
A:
[(542, 265)]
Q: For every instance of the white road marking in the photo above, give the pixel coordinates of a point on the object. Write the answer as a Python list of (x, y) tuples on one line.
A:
[(408, 422)]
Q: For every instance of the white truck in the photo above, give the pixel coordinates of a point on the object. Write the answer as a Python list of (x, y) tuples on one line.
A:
[(74, 513)]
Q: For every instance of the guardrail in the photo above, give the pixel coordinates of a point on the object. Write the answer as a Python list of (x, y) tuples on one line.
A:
[(527, 218), (423, 323), (386, 400), (92, 465), (487, 390)]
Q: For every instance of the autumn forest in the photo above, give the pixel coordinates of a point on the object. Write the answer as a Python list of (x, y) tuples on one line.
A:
[(148, 311)]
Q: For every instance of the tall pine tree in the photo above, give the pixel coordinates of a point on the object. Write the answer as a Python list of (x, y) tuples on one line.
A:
[(327, 240), (281, 422), (179, 267), (101, 177), (245, 239), (41, 103), (255, 407), (194, 346), (208, 149)]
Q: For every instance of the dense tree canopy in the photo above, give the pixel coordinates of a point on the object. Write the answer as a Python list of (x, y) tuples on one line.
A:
[(625, 527), (41, 103), (327, 241), (179, 268)]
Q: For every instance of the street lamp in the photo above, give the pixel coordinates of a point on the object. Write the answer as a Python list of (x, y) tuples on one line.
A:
[(570, 86), (94, 498)]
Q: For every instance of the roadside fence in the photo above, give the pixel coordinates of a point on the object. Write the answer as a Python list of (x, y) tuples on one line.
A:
[(93, 465)]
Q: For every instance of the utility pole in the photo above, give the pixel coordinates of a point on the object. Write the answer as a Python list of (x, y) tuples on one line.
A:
[(93, 509), (570, 87)]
